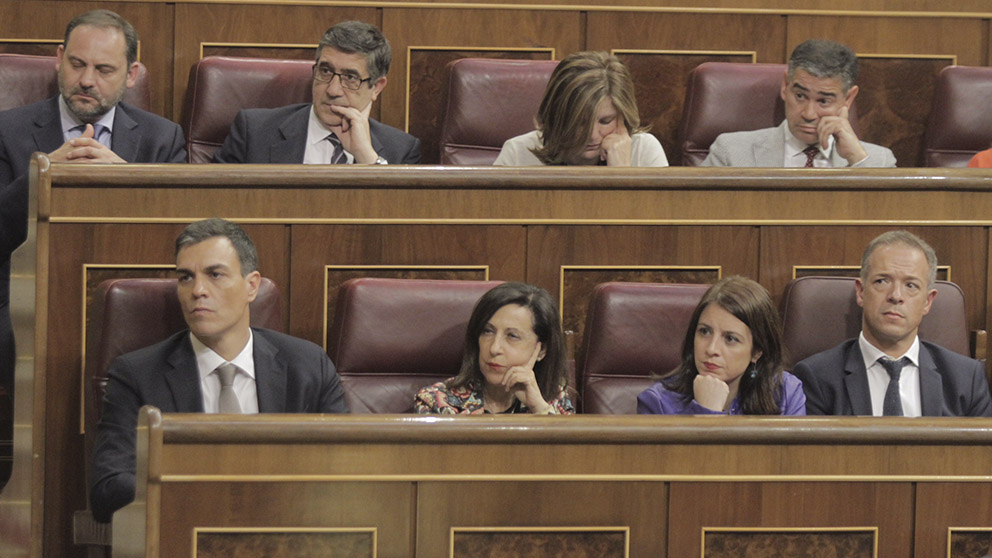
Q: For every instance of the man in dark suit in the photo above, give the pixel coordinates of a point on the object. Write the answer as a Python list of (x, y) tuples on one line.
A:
[(818, 90), (219, 364), (85, 123), (349, 74), (888, 370)]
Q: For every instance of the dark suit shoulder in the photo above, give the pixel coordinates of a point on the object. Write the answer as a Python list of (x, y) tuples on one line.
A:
[(287, 342), (154, 354), (398, 147), (825, 361)]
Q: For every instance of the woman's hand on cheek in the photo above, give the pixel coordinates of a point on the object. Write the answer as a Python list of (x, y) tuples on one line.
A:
[(616, 147), (710, 392), (522, 381)]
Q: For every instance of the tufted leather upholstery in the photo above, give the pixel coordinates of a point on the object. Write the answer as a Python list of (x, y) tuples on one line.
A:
[(391, 337), (220, 86), (821, 312), (960, 122), (731, 97), (632, 330), (27, 79), (489, 101)]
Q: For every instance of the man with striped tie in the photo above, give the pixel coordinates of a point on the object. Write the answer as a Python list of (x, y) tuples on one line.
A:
[(348, 75)]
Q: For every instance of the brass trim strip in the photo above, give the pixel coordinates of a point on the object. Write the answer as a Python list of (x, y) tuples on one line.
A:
[(262, 478), (752, 53), (255, 45), (533, 221), (952, 529)]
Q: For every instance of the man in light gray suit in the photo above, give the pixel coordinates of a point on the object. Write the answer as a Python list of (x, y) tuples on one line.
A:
[(818, 90)]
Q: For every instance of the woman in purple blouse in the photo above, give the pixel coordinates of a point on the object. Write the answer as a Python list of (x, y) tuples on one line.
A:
[(731, 359)]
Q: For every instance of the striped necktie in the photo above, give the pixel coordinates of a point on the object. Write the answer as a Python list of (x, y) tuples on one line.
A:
[(337, 157)]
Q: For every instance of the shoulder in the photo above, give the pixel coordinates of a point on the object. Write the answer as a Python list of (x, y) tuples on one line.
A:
[(949, 361), (516, 151), (878, 156), (144, 117), (19, 114), (790, 383), (285, 342), (155, 354), (271, 116), (746, 137), (658, 399), (828, 362), (647, 151), (389, 133)]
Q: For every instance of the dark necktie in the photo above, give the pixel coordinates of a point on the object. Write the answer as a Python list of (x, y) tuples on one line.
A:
[(892, 404), (810, 153), (337, 157), (228, 401)]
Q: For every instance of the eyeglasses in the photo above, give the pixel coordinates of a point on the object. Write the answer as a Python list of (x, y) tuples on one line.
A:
[(324, 74)]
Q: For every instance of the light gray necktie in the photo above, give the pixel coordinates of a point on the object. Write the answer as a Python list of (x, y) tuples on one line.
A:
[(228, 401), (337, 157)]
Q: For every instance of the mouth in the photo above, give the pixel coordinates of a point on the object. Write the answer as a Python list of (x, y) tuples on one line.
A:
[(711, 367), (495, 366)]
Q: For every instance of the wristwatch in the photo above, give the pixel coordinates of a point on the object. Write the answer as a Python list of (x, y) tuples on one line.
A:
[(380, 161)]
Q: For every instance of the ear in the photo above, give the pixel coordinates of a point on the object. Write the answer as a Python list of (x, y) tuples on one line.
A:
[(785, 85), (59, 52), (930, 296), (542, 354), (378, 86), (859, 292), (254, 279), (851, 94), (755, 356), (132, 74)]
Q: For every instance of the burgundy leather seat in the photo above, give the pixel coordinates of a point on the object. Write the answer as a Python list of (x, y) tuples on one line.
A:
[(220, 86), (960, 122), (730, 97), (632, 330), (820, 312), (27, 79), (391, 337), (489, 101)]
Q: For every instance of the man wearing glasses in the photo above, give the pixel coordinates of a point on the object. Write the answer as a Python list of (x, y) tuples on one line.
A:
[(348, 75)]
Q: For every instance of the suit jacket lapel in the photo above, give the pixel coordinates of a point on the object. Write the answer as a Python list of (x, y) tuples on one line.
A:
[(770, 151), (183, 378), (291, 145), (270, 376), (931, 388), (48, 128), (126, 135), (856, 381)]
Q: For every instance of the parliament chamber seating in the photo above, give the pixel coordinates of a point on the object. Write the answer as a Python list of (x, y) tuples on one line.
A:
[(730, 97), (632, 330), (220, 86), (821, 312), (27, 79), (960, 122), (488, 102), (129, 314), (391, 337)]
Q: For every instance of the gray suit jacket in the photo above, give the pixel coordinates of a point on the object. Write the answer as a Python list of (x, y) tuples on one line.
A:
[(836, 382), (766, 148), (279, 136), (291, 376)]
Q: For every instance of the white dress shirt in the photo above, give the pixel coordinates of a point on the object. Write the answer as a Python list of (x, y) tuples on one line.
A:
[(878, 378), (244, 379), (319, 150)]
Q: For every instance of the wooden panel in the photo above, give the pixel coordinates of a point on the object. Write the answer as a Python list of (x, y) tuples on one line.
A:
[(111, 245), (856, 506), (289, 52), (958, 508), (248, 25), (288, 508), (498, 247), (595, 514), (851, 542), (40, 19), (428, 79), (894, 100), (408, 29), (660, 81), (248, 542)]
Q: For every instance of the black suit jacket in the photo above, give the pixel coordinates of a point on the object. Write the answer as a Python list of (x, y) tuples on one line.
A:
[(836, 382), (279, 136), (291, 376), (138, 137)]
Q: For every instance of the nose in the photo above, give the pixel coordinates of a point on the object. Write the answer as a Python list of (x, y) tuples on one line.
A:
[(713, 346), (334, 88), (88, 76), (199, 287), (809, 112), (496, 347), (895, 293)]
